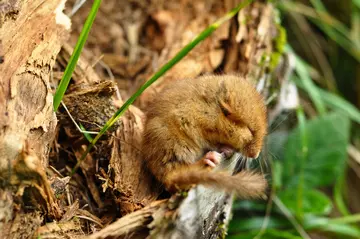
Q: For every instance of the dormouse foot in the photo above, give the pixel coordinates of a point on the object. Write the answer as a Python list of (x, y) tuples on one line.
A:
[(211, 159)]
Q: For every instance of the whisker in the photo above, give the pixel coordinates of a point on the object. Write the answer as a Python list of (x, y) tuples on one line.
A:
[(284, 118), (274, 156), (248, 165)]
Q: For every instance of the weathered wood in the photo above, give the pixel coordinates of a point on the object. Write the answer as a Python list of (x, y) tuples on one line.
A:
[(131, 178), (31, 34), (133, 225)]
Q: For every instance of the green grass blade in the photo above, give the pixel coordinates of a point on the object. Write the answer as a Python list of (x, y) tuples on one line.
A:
[(319, 15), (309, 86), (356, 3), (86, 135), (335, 102), (183, 52), (355, 26), (343, 42), (304, 151), (299, 228), (319, 6), (333, 28), (330, 25), (355, 218), (338, 227), (338, 195), (60, 91)]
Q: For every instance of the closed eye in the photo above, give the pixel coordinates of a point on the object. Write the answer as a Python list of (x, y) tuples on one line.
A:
[(225, 109)]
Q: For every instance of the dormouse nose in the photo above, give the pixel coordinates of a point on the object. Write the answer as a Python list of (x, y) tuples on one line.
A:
[(253, 154)]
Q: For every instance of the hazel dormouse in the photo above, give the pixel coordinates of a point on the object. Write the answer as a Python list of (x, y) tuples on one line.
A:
[(193, 121)]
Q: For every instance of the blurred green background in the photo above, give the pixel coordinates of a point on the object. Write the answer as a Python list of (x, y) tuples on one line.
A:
[(313, 151)]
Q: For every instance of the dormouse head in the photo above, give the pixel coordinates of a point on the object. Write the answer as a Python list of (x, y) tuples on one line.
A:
[(244, 111)]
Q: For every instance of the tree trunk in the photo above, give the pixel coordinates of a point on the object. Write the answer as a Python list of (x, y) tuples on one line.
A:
[(31, 34)]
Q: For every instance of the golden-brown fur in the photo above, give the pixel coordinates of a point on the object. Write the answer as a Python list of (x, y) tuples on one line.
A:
[(193, 116)]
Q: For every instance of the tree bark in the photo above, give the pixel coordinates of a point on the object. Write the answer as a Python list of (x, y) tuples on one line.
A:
[(31, 33)]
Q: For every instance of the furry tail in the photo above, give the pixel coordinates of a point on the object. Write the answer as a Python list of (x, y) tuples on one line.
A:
[(246, 184)]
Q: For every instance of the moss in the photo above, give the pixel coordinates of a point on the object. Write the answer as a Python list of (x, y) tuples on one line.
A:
[(279, 45), (264, 58), (183, 194), (221, 229), (281, 39)]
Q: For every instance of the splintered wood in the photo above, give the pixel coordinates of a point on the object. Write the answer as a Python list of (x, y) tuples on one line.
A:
[(31, 34)]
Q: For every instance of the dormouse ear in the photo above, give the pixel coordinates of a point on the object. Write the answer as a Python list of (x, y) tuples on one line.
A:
[(223, 93), (224, 100), (222, 89), (229, 112)]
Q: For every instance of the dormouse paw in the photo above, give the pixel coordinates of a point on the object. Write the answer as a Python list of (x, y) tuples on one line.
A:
[(212, 159)]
